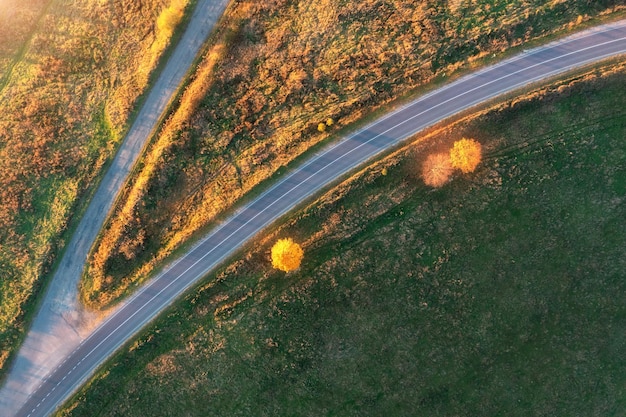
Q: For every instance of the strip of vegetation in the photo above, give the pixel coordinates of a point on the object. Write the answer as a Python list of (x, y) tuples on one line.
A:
[(280, 77), (500, 293), (65, 101)]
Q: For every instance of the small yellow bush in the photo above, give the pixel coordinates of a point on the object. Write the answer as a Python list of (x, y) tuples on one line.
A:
[(169, 19), (466, 155), (286, 255)]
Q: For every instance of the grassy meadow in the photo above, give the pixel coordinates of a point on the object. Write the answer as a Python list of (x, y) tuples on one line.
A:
[(18, 20), (501, 293), (275, 71), (71, 72)]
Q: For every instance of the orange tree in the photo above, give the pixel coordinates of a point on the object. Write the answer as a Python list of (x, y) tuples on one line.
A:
[(465, 155), (437, 169), (286, 255)]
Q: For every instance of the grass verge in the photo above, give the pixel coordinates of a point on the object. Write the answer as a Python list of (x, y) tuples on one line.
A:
[(280, 71)]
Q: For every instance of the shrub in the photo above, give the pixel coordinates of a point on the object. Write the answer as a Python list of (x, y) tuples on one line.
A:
[(466, 155), (437, 169), (286, 255), (169, 19)]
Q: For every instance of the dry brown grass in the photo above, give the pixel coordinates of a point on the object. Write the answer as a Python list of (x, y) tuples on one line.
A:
[(71, 73), (18, 18), (288, 67)]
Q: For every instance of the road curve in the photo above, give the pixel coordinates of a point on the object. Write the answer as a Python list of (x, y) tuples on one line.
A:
[(321, 169), (60, 325)]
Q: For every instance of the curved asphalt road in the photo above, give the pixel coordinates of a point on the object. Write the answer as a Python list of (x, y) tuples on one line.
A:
[(323, 168)]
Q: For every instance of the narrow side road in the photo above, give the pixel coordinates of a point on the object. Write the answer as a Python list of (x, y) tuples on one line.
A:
[(61, 324), (335, 160)]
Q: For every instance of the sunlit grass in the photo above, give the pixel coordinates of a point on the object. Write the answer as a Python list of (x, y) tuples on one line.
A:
[(70, 75), (286, 69)]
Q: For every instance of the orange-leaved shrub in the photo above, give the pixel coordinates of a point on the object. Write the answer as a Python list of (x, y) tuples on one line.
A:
[(286, 255), (437, 169), (466, 155)]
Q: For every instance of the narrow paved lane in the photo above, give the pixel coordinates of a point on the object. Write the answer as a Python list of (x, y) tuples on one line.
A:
[(311, 176), (60, 324)]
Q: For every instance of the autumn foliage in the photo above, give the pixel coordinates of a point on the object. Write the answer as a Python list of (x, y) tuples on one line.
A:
[(170, 17), (466, 155), (437, 169), (286, 255)]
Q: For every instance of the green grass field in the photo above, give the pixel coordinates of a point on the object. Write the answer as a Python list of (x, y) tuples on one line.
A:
[(500, 294)]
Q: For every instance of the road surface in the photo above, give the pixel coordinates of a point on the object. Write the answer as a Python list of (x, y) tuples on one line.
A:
[(61, 324), (530, 66)]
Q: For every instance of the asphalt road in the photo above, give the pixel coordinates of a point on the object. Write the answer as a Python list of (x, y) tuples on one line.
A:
[(311, 176)]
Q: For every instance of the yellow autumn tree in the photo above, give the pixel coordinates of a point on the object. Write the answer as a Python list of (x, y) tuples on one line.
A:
[(437, 169), (466, 155), (286, 255)]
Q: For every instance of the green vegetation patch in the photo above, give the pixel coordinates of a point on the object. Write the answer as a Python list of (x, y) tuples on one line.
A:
[(500, 294)]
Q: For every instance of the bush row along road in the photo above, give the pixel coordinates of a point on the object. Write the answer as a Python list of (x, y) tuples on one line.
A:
[(320, 170)]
